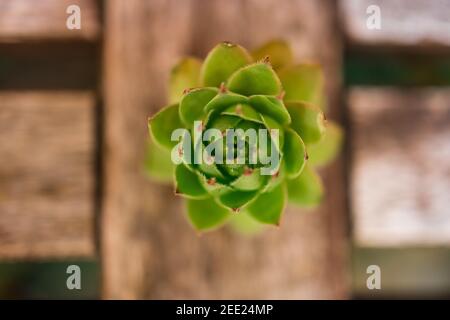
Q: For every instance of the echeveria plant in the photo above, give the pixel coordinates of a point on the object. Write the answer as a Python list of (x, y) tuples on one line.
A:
[(253, 176)]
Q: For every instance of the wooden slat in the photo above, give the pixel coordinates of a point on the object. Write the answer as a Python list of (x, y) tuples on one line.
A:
[(49, 66), (400, 181), (418, 23), (149, 250), (46, 174), (23, 20)]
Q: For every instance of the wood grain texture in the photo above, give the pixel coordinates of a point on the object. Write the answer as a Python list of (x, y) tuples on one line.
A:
[(148, 248), (418, 23), (400, 179), (24, 20), (46, 174)]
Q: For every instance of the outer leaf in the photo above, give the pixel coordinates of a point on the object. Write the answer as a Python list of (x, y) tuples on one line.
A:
[(162, 124), (206, 214), (221, 62), (243, 223), (294, 154), (236, 199), (257, 78), (326, 150), (269, 206), (272, 107), (158, 164), (186, 74), (307, 120), (279, 52), (303, 82), (307, 189), (188, 183)]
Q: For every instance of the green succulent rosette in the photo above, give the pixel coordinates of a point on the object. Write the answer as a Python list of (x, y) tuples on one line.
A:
[(235, 89)]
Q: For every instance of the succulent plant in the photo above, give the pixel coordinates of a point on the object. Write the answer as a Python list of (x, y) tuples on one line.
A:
[(234, 89)]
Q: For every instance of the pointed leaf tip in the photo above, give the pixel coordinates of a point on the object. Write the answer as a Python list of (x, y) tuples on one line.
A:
[(206, 214), (307, 189), (269, 206), (221, 62)]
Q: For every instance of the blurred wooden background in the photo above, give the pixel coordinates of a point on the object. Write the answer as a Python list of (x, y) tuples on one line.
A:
[(73, 112)]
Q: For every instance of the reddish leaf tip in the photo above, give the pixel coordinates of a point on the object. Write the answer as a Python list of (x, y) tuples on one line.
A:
[(248, 171), (211, 181), (266, 60), (223, 88)]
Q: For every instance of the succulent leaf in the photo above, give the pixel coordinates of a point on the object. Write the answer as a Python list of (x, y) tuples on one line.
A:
[(278, 51), (243, 223), (253, 180), (206, 214), (269, 206), (188, 183), (221, 62), (327, 149), (271, 106), (303, 82), (236, 199), (163, 124), (307, 189), (244, 111), (192, 105), (186, 74), (157, 163), (257, 78), (223, 101), (294, 154), (272, 124), (307, 120)]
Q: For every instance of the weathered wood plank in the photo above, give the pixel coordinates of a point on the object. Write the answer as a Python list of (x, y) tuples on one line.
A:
[(418, 23), (46, 174), (148, 248), (400, 180), (23, 20)]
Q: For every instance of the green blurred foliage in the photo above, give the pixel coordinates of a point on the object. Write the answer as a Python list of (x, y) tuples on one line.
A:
[(396, 69)]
